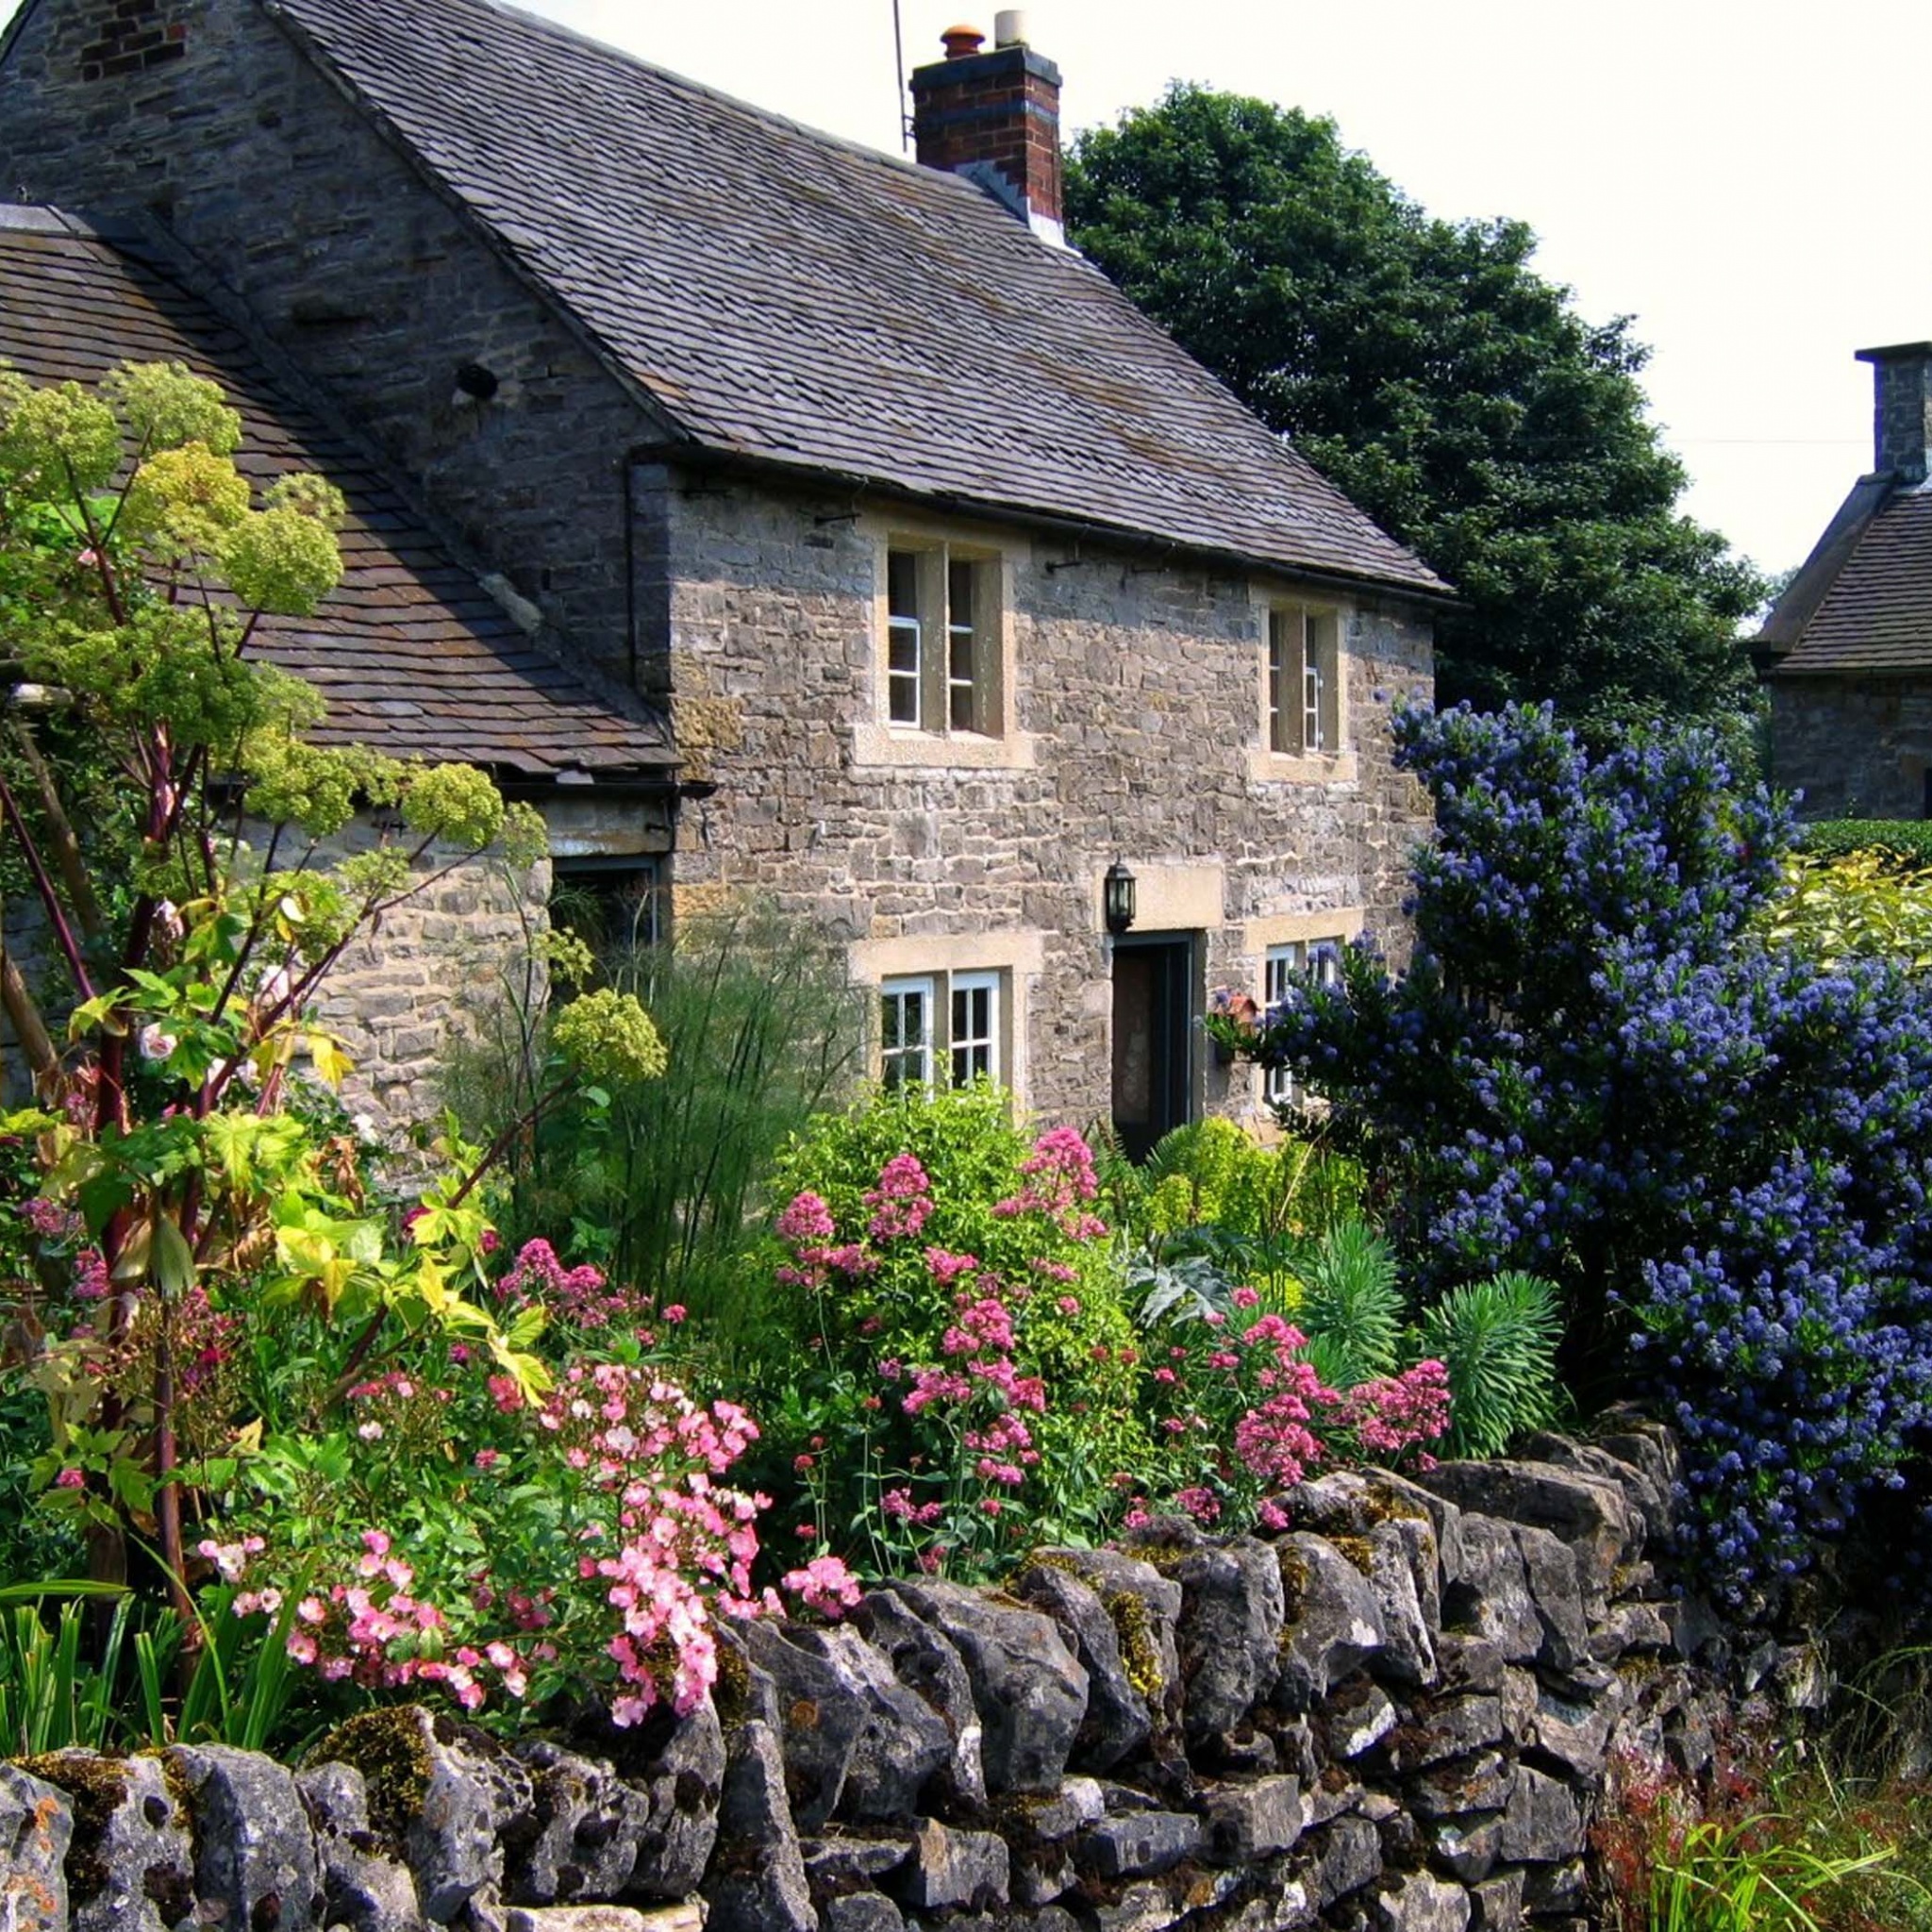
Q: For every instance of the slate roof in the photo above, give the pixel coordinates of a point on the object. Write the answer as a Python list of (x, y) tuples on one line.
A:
[(782, 295), (409, 651), (1862, 602)]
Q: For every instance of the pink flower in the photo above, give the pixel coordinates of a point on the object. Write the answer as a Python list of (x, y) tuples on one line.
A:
[(825, 1585), (1245, 1298), (676, 1314), (69, 1479), (806, 1219)]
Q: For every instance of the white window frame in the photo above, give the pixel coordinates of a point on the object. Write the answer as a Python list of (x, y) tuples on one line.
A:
[(944, 704), (1281, 966), (1302, 678), (938, 1051), (985, 1044), (899, 994)]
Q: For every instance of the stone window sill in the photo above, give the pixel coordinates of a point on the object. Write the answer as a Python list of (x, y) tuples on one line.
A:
[(965, 751), (1285, 768)]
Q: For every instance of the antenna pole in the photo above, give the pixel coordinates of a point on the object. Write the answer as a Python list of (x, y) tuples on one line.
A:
[(899, 58)]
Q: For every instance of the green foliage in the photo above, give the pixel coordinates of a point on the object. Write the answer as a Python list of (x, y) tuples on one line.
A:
[(1862, 903), (1351, 1306), (877, 1297), (1498, 1341), (1906, 842), (1454, 394)]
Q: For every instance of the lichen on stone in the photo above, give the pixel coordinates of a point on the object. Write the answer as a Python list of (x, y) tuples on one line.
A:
[(1133, 1627), (97, 1787)]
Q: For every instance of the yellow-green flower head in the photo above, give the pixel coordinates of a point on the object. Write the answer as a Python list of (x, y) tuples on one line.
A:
[(59, 440), (164, 406), (456, 803), (607, 1035), (187, 498), (282, 560)]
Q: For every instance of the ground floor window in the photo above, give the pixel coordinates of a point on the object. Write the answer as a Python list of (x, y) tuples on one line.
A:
[(1287, 966), (942, 1024)]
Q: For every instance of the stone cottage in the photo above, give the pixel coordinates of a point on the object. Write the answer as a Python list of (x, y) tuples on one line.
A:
[(1846, 654), (960, 585)]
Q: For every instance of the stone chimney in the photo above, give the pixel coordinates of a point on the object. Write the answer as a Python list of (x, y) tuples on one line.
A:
[(995, 117), (1902, 416)]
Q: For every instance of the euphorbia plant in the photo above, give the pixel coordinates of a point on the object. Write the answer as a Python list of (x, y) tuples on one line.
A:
[(189, 1180)]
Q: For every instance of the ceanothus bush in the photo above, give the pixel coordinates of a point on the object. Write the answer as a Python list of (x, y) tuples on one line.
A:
[(1593, 1068)]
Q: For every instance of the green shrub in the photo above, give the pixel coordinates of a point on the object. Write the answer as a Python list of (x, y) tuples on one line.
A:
[(1351, 1306), (1907, 840), (927, 1238), (1498, 1341)]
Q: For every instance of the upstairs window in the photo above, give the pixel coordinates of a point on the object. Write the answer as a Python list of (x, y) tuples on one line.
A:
[(942, 641), (1304, 681)]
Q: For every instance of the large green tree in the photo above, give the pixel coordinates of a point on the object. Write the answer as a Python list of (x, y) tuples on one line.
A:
[(1451, 390)]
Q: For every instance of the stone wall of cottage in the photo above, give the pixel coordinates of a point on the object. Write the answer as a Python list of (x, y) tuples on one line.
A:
[(216, 125), (1139, 715), (1410, 1712), (1854, 747)]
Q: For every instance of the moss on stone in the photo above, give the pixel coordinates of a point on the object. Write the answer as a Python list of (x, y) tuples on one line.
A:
[(1294, 1586), (388, 1747), (1134, 1628), (95, 1787), (731, 1694), (1358, 1550)]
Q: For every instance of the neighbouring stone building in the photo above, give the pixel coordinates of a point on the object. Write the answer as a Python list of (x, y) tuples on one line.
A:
[(958, 582), (1847, 652)]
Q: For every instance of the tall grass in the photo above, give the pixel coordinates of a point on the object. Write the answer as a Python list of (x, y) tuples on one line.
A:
[(666, 1187)]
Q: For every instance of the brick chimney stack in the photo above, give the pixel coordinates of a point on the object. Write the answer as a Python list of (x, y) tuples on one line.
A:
[(1902, 415), (995, 117)]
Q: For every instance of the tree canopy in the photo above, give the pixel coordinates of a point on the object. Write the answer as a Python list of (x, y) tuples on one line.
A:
[(1451, 390)]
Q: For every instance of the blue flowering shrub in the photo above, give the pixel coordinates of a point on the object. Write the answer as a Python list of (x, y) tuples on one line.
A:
[(1596, 1069)]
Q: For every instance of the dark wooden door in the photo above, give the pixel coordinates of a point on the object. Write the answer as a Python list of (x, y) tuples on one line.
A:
[(1153, 1038)]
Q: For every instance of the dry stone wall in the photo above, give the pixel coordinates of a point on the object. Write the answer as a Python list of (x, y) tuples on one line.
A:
[(1854, 747), (1401, 1714)]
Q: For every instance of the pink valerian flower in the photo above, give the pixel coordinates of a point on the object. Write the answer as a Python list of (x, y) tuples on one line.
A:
[(1059, 1179), (899, 1505), (806, 1219), (70, 1479), (1245, 1298), (902, 1202), (90, 1275), (1396, 1412), (826, 1586), (580, 1296), (1201, 1503), (945, 1269)]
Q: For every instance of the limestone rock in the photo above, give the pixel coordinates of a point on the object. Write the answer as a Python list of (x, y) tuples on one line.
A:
[(1550, 1566), (1498, 1903), (1468, 1665), (1119, 1720), (1031, 1693), (680, 1787), (1345, 1857), (585, 1825), (597, 1918), (860, 1911), (1419, 1903), (1586, 1513), (1358, 1716), (1576, 1735), (950, 1868), (1139, 1845), (36, 1824), (1461, 1784), (135, 1872), (838, 1864), (363, 1888), (1449, 1727), (1079, 1802), (856, 1741), (1468, 1846), (1252, 1821), (1402, 1579), (756, 1881), (1332, 1623), (1551, 1888), (930, 1667), (1543, 1823), (1491, 1600), (1229, 1636)]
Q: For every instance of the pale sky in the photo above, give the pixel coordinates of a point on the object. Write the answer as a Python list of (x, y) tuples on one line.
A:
[(1746, 177)]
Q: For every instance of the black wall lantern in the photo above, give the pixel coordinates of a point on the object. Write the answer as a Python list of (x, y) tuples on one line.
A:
[(1117, 897)]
